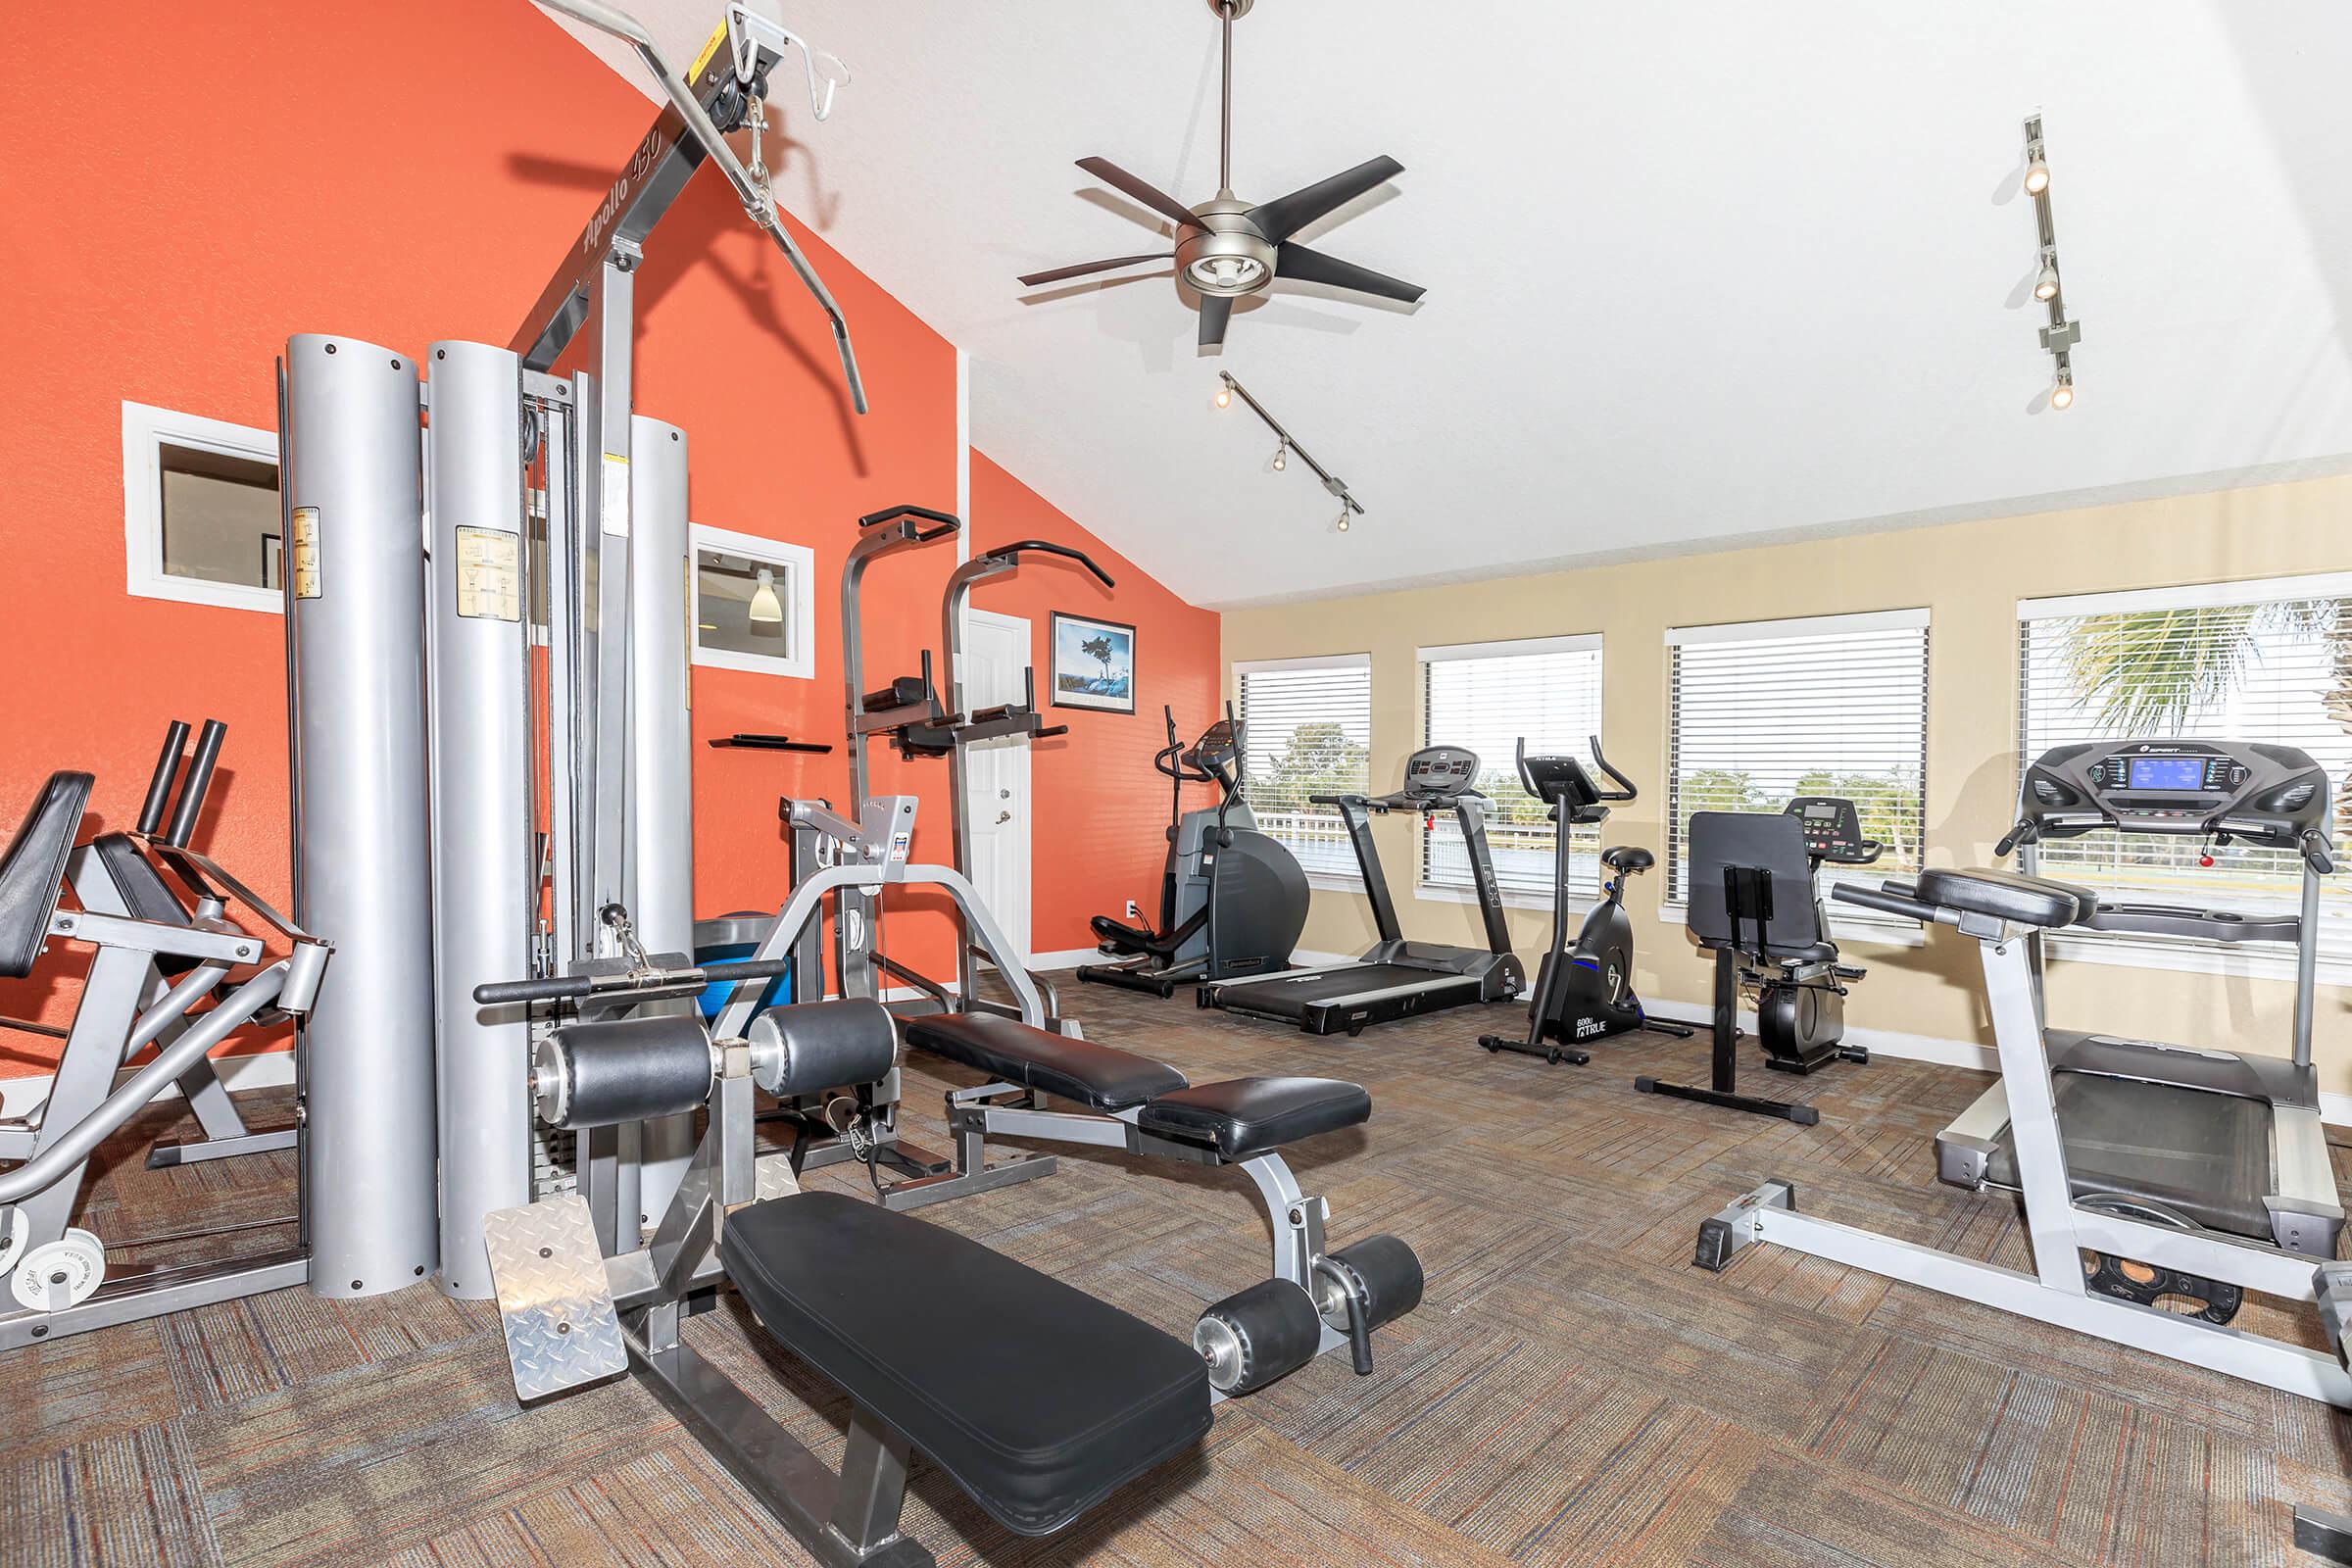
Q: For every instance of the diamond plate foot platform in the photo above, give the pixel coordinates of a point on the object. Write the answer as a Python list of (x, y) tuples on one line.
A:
[(553, 1300)]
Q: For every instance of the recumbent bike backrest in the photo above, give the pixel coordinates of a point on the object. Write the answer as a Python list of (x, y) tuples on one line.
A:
[(1765, 852)]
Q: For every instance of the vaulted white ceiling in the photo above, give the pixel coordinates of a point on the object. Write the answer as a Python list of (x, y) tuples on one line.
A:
[(1699, 271)]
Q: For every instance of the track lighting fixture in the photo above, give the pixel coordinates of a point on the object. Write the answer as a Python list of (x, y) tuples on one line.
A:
[(2061, 336), (1228, 389), (2045, 286), (767, 609)]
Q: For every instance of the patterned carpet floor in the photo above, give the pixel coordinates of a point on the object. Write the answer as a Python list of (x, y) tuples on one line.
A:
[(1571, 1390)]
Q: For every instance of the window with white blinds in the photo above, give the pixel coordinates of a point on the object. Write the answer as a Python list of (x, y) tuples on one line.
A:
[(2269, 662), (1307, 725), (1486, 697), (1834, 704)]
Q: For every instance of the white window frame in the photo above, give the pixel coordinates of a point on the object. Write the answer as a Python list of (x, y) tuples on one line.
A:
[(146, 431), (1329, 881), (1847, 921), (798, 562), (2180, 954), (1464, 653)]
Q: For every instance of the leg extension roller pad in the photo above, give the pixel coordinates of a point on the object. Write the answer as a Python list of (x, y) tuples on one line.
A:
[(1256, 1336)]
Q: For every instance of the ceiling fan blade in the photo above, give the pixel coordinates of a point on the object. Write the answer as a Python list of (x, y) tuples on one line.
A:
[(1284, 215), (1296, 261), (1215, 311), (1151, 196), (1034, 279)]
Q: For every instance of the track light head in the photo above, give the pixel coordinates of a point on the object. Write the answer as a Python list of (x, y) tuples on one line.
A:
[(2037, 174), (1281, 457), (1224, 397), (2045, 287), (1341, 526), (2061, 396)]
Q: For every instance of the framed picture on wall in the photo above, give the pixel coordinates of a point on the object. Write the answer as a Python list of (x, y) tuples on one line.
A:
[(1093, 664)]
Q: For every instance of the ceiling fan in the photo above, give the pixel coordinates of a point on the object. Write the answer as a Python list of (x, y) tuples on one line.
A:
[(1226, 248)]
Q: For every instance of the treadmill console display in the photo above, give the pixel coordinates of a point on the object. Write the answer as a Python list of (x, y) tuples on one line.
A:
[(1440, 772), (2260, 794)]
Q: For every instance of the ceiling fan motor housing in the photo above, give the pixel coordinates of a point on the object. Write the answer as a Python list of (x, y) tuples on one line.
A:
[(1222, 252)]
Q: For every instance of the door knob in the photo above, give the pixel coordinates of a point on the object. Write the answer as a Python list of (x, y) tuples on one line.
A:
[(1003, 817)]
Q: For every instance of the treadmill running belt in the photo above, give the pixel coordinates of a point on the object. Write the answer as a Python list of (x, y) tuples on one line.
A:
[(1276, 994), (2203, 1155)]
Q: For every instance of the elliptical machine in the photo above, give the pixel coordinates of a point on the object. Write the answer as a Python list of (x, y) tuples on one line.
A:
[(1585, 992), (1232, 900)]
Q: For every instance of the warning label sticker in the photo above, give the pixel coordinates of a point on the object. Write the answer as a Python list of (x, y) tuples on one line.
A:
[(305, 552), (489, 574)]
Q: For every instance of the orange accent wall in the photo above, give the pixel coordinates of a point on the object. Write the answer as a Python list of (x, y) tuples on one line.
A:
[(1099, 809), (196, 188)]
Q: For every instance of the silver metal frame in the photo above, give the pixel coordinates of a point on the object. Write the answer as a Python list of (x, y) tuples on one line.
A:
[(124, 1006)]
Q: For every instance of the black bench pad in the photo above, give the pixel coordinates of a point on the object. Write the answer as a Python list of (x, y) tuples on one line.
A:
[(1038, 1399), (1245, 1117), (1098, 1077), (2006, 894), (33, 871)]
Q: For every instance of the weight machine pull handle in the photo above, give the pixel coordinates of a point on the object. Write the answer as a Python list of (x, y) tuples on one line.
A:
[(159, 788), (576, 987), (199, 781)]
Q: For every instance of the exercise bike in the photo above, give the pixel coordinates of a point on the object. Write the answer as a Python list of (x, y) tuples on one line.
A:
[(1755, 905), (1585, 992), (1232, 900)]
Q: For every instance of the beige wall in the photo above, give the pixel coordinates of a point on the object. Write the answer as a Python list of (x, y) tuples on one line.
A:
[(1970, 577)]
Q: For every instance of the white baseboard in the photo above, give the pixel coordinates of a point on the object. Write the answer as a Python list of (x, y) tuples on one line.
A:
[(267, 1070), (1067, 958)]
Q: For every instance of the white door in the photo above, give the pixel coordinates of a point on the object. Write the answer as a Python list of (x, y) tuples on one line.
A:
[(997, 775)]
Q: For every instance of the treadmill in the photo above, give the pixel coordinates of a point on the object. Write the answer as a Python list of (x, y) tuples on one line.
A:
[(1394, 978), (2198, 1137)]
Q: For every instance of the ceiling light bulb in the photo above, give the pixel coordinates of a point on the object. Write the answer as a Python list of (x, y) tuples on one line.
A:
[(2037, 177), (1342, 524), (2045, 287), (767, 609), (1282, 459), (1224, 398), (2061, 396)]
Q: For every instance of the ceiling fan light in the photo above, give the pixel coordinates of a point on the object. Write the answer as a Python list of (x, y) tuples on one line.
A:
[(767, 609), (1225, 275)]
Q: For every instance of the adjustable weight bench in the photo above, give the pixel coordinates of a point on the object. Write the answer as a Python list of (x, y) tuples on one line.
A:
[(1314, 1301), (1064, 1400)]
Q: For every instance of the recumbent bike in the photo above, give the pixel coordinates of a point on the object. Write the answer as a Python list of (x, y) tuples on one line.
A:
[(1754, 903)]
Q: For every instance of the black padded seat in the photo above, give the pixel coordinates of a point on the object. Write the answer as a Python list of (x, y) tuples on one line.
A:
[(1039, 1400), (2006, 894), (1245, 1117), (33, 871), (1803, 953), (1628, 858), (1098, 1077)]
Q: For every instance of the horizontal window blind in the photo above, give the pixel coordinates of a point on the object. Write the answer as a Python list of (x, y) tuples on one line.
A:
[(1486, 699), (1836, 705), (2244, 661), (1307, 724)]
